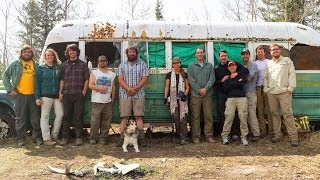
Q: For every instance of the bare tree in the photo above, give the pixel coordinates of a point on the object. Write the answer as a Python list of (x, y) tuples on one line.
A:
[(136, 9), (75, 9), (240, 10)]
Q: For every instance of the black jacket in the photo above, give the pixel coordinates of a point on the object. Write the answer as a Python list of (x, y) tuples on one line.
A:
[(234, 87)]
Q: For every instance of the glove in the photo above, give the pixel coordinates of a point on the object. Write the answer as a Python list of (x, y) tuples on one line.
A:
[(183, 98), (165, 101)]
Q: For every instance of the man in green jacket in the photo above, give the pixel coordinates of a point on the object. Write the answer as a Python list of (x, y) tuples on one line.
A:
[(19, 81), (201, 79)]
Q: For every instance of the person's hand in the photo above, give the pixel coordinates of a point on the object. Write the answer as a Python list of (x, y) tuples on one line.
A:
[(233, 75), (60, 97), (132, 91), (225, 78), (38, 102), (103, 90), (84, 92), (202, 91), (13, 92), (165, 101), (289, 92), (184, 98)]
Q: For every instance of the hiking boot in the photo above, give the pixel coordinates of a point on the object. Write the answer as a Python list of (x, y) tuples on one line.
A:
[(225, 140), (183, 142), (49, 143), (244, 141), (21, 142), (275, 139), (63, 142), (39, 142), (78, 142), (255, 138), (210, 139), (294, 143), (141, 140), (196, 141), (120, 142), (92, 141)]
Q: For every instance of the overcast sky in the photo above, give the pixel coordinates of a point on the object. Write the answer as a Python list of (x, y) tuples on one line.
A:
[(172, 9)]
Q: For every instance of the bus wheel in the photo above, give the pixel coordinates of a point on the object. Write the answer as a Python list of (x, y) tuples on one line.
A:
[(6, 126)]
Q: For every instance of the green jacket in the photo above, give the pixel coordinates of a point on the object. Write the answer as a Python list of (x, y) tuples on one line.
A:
[(12, 75), (47, 80), (201, 77)]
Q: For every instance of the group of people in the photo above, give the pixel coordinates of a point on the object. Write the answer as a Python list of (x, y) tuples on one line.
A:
[(259, 91), (265, 85)]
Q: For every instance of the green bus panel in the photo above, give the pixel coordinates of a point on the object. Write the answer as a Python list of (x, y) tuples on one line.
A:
[(233, 49), (186, 51)]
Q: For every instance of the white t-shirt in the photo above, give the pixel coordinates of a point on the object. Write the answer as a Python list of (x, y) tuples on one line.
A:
[(103, 80), (261, 66)]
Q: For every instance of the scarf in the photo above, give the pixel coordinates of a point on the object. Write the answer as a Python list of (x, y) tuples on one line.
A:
[(173, 95)]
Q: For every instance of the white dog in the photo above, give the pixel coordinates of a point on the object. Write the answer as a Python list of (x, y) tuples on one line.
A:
[(131, 134)]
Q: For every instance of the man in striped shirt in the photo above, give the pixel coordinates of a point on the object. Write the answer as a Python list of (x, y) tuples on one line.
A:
[(132, 76)]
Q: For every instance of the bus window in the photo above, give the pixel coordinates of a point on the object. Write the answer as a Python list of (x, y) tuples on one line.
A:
[(186, 51), (305, 57), (60, 48), (284, 52), (233, 49), (153, 53), (109, 49)]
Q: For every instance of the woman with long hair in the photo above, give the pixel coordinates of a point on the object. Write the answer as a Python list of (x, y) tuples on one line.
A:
[(175, 95), (48, 78)]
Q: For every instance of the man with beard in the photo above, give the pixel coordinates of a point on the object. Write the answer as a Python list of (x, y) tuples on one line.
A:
[(103, 94), (73, 88), (132, 76), (19, 79), (279, 81)]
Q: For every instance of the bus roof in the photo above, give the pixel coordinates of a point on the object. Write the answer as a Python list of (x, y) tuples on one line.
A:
[(74, 30)]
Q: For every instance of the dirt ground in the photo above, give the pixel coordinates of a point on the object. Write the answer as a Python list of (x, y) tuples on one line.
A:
[(162, 160)]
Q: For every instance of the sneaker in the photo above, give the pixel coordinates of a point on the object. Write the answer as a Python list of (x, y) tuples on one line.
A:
[(294, 143), (196, 141), (255, 138), (78, 142), (21, 143), (183, 142), (225, 140), (92, 141), (244, 141), (49, 143), (275, 140), (211, 140), (63, 142), (39, 142)]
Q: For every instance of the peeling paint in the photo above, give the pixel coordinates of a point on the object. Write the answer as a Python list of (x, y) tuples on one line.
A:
[(102, 31)]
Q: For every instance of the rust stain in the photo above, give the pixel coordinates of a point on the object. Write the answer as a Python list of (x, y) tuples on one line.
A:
[(133, 35), (102, 31), (144, 35)]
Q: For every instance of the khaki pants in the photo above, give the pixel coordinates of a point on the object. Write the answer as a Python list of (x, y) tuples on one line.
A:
[(101, 117), (252, 113), (232, 104), (196, 104), (264, 116), (283, 101)]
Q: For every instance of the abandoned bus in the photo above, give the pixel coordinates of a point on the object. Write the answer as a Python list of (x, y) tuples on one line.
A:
[(159, 41)]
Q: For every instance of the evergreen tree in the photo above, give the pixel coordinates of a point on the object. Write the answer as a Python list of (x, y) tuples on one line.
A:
[(29, 19), (158, 10)]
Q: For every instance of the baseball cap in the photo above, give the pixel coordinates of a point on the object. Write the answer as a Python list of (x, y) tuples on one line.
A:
[(245, 50), (232, 63), (176, 60)]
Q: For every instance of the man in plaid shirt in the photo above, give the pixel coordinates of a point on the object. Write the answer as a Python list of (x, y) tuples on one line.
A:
[(132, 75), (73, 88)]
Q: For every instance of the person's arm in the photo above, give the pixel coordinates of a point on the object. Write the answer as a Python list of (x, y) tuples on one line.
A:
[(6, 80), (266, 79), (85, 88), (166, 88), (186, 83), (192, 81), (37, 92), (86, 76), (211, 80), (61, 90), (292, 77)]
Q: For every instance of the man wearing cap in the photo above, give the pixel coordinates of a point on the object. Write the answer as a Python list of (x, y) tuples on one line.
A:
[(250, 89), (201, 78), (233, 86), (103, 94), (279, 83), (222, 73)]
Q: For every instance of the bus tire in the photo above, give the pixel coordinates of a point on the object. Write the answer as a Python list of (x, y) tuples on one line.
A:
[(7, 126)]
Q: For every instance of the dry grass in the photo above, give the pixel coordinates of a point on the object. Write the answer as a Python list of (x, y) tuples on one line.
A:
[(261, 160)]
